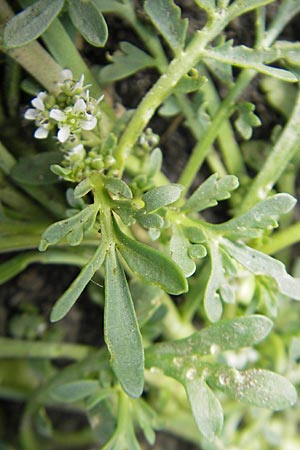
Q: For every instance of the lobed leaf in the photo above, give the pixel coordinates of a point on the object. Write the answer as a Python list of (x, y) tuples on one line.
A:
[(261, 264), (161, 196), (70, 227), (257, 387), (263, 216), (210, 192), (206, 408), (69, 297), (166, 17), (89, 21), (150, 264), (246, 120), (31, 22), (121, 331), (118, 187), (131, 60), (179, 251)]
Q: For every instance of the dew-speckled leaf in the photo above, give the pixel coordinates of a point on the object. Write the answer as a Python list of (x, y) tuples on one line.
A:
[(179, 251), (151, 220), (131, 60), (257, 387), (263, 216), (244, 57), (225, 335), (210, 192), (35, 169), (161, 196), (122, 334), (74, 391), (118, 187), (261, 264), (151, 265), (206, 408), (89, 21), (69, 297), (166, 17), (84, 220), (31, 22)]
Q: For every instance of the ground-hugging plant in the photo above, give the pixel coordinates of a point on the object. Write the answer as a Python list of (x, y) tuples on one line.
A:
[(143, 240)]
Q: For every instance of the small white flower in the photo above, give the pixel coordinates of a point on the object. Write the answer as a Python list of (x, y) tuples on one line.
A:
[(80, 106), (38, 101), (89, 123), (31, 114)]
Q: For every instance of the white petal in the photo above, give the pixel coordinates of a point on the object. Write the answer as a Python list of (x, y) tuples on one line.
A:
[(79, 106), (38, 103), (66, 74), (89, 124), (57, 114), (63, 134), (41, 133), (31, 114)]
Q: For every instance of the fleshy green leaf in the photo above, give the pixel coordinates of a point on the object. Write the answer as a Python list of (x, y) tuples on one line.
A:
[(118, 187), (74, 391), (150, 264), (121, 330), (207, 410), (179, 251), (151, 220), (263, 216), (166, 17), (69, 297), (249, 58), (225, 335), (261, 264), (146, 300), (280, 96), (131, 60), (79, 223), (31, 23), (210, 192), (82, 188), (190, 82), (155, 162), (257, 387), (246, 120), (161, 196), (35, 169), (207, 5), (89, 21)]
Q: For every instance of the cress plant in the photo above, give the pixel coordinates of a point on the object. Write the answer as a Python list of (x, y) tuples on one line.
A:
[(201, 326)]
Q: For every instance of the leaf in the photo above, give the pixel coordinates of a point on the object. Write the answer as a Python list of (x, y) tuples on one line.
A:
[(166, 17), (280, 96), (80, 222), (31, 23), (89, 21), (179, 246), (35, 169), (210, 192), (261, 264), (155, 162), (151, 220), (257, 387), (263, 216), (226, 335), (190, 82), (147, 300), (246, 120), (161, 196), (69, 297), (131, 60), (207, 5), (150, 264), (245, 57), (121, 331), (118, 187), (83, 188), (207, 410), (74, 391)]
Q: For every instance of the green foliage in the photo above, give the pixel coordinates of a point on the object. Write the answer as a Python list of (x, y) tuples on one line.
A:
[(186, 291)]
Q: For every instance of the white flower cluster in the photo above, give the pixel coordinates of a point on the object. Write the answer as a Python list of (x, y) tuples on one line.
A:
[(68, 113)]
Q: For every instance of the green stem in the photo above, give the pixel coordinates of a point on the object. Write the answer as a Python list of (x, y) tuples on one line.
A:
[(281, 240), (16, 348), (163, 87), (277, 161)]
